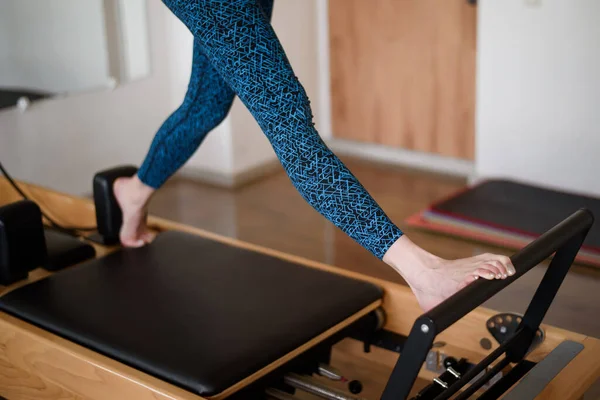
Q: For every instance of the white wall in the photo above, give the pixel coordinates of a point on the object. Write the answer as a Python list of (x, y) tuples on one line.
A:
[(538, 92), (133, 22), (5, 45), (538, 88), (56, 46), (61, 143)]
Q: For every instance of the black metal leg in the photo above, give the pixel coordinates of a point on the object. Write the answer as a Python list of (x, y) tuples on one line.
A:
[(545, 294), (411, 359), (564, 240)]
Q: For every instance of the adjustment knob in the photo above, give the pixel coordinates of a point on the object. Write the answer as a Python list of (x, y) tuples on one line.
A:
[(355, 387), (450, 362)]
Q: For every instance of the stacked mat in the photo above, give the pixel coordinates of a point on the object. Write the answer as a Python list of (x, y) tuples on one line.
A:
[(509, 214)]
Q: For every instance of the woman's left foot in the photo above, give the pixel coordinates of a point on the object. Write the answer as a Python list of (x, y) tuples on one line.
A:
[(433, 279), (133, 196)]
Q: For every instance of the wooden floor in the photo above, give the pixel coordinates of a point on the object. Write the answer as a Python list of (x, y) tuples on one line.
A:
[(271, 213)]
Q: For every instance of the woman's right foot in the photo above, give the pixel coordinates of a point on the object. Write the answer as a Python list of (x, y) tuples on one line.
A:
[(132, 196), (433, 279)]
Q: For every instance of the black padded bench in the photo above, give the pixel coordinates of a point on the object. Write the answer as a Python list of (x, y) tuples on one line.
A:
[(197, 313)]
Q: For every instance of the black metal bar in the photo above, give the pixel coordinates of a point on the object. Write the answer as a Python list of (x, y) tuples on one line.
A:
[(410, 361), (564, 239), (544, 371), (545, 293), (481, 381), (473, 372), (471, 297), (507, 381)]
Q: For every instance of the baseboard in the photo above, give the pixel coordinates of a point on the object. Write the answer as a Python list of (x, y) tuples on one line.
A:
[(475, 180), (372, 152), (402, 157), (256, 173), (231, 181)]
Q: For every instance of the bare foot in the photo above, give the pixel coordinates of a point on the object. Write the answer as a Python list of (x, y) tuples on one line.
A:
[(133, 196), (433, 279)]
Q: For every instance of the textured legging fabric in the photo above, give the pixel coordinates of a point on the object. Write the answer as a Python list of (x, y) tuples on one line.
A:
[(236, 52)]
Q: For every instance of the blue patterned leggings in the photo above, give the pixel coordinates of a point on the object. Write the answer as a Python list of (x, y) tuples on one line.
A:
[(236, 52)]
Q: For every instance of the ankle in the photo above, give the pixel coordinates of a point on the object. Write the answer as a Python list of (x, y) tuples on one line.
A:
[(137, 193), (407, 258)]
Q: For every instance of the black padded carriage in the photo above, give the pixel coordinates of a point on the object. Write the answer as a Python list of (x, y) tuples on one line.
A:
[(194, 312)]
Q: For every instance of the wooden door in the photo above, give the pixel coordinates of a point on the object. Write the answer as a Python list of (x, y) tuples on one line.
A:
[(403, 73)]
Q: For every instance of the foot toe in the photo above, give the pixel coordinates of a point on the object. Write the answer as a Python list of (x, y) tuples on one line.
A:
[(147, 237), (132, 242), (507, 264), (485, 273)]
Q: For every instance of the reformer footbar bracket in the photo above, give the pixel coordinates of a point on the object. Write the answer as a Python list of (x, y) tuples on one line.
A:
[(564, 241)]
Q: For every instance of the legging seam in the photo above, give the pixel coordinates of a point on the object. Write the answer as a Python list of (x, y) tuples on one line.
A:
[(162, 139)]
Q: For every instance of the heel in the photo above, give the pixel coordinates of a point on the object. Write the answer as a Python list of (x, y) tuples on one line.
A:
[(109, 217)]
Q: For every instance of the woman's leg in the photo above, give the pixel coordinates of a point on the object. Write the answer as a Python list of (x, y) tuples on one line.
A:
[(241, 44), (207, 102)]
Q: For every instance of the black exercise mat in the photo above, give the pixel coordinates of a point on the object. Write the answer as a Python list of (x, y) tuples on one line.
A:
[(200, 314), (519, 208)]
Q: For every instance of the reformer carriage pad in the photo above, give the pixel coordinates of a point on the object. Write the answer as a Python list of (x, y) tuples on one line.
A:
[(197, 313)]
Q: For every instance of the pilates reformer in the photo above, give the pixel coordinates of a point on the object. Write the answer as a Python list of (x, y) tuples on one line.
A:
[(195, 315)]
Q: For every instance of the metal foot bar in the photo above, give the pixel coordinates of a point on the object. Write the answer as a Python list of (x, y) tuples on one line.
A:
[(565, 239)]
